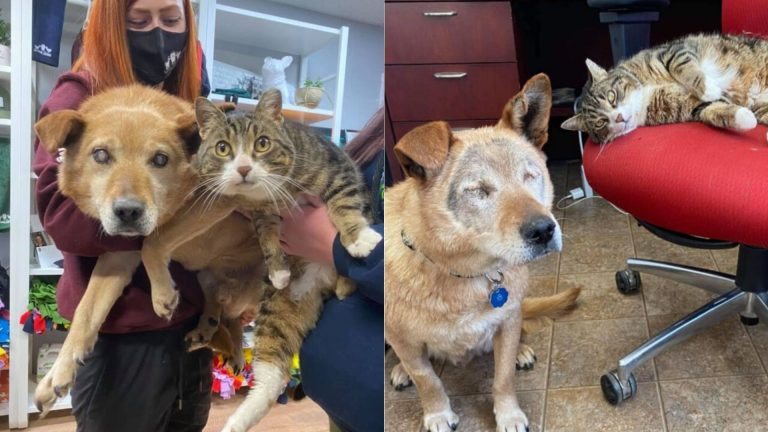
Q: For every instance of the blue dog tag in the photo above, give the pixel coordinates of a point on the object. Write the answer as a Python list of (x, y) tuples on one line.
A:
[(498, 296)]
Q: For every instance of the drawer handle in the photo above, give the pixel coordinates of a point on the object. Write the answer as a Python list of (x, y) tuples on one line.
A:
[(441, 14), (450, 75)]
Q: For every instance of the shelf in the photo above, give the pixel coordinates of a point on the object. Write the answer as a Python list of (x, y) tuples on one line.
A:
[(3, 409), (5, 73), (61, 404), (238, 26), (5, 127), (291, 112), (51, 271)]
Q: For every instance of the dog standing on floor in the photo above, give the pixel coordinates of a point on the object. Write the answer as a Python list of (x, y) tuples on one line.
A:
[(473, 212)]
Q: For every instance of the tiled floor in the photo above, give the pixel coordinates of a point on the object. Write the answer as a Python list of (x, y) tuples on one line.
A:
[(715, 381)]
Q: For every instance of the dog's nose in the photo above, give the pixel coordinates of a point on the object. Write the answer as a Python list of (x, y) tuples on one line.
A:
[(128, 210), (538, 231), (244, 170)]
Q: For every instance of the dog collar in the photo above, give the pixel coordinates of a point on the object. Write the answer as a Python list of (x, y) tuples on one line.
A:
[(498, 295)]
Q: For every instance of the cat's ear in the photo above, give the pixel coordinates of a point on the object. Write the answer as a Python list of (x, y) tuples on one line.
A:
[(271, 104), (423, 151), (186, 127), (575, 123), (527, 113), (596, 73), (208, 115), (286, 61), (59, 129)]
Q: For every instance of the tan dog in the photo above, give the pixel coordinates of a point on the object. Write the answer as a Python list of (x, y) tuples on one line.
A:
[(127, 165), (474, 210)]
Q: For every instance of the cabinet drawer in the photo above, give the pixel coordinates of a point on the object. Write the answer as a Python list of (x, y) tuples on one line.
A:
[(465, 91), (402, 128), (454, 32)]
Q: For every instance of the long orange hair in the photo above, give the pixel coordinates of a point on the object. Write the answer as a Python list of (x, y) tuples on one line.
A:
[(105, 51)]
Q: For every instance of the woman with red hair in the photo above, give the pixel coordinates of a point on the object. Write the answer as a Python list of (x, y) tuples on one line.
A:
[(140, 376)]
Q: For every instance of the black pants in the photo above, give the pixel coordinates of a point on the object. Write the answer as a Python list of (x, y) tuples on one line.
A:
[(143, 382)]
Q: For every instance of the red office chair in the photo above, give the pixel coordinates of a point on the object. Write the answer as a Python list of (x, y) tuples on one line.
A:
[(690, 184)]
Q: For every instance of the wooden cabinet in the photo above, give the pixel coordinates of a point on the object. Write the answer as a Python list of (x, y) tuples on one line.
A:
[(450, 60)]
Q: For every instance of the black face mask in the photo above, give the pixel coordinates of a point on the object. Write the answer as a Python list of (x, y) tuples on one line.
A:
[(155, 53)]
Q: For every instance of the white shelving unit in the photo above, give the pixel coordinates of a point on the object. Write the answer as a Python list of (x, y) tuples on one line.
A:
[(221, 23)]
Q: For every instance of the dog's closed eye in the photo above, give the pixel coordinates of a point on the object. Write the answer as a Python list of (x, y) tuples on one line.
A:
[(481, 190)]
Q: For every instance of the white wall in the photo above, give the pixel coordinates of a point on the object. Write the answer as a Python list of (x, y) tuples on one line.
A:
[(365, 60)]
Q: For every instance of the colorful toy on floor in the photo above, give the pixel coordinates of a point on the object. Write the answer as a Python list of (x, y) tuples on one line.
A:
[(225, 382)]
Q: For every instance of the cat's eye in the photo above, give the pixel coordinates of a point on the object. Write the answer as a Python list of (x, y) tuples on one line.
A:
[(600, 124), (101, 156), (223, 149), (612, 97), (160, 160), (263, 144)]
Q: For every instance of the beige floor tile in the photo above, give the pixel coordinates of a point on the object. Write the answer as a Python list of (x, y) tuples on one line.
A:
[(716, 404), (726, 259), (759, 335), (599, 298), (476, 377), (606, 223), (546, 266), (541, 286), (595, 253), (649, 246), (721, 350), (663, 296), (585, 410), (475, 413), (582, 351)]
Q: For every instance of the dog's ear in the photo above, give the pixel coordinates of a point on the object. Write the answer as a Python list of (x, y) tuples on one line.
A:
[(527, 113), (186, 126), (575, 123), (59, 129), (271, 104), (423, 151), (208, 115)]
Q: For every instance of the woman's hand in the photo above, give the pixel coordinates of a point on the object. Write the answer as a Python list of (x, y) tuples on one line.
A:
[(308, 232)]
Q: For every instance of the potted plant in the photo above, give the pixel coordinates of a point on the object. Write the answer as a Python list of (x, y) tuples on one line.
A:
[(310, 94), (5, 43)]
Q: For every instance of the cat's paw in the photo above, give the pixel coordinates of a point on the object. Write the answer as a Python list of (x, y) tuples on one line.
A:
[(525, 358), (711, 91), (280, 278), (200, 337), (366, 241), (744, 119)]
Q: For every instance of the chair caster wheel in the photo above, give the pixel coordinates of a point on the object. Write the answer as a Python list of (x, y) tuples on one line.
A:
[(628, 281), (749, 321), (614, 391)]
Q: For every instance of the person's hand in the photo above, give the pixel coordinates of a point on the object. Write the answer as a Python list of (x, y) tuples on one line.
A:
[(308, 232)]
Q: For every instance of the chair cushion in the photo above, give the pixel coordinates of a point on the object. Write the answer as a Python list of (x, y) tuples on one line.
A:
[(690, 178)]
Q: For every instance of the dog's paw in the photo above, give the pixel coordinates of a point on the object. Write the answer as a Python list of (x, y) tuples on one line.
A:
[(525, 358), (237, 362), (513, 420), (280, 278), (164, 302), (45, 396), (399, 378), (441, 421), (366, 241), (55, 384)]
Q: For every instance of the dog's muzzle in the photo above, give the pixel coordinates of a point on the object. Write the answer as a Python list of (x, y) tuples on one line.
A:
[(541, 235)]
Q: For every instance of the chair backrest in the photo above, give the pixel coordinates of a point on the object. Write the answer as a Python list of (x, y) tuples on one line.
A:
[(749, 16)]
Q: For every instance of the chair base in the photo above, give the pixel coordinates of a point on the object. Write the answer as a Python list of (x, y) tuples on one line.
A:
[(619, 384)]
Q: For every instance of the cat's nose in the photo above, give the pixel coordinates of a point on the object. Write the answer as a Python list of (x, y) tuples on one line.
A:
[(244, 170), (619, 118)]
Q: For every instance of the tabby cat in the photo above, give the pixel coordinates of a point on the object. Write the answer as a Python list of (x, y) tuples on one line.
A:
[(265, 163), (721, 80)]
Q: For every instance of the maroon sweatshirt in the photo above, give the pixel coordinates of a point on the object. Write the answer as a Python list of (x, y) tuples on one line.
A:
[(81, 240)]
